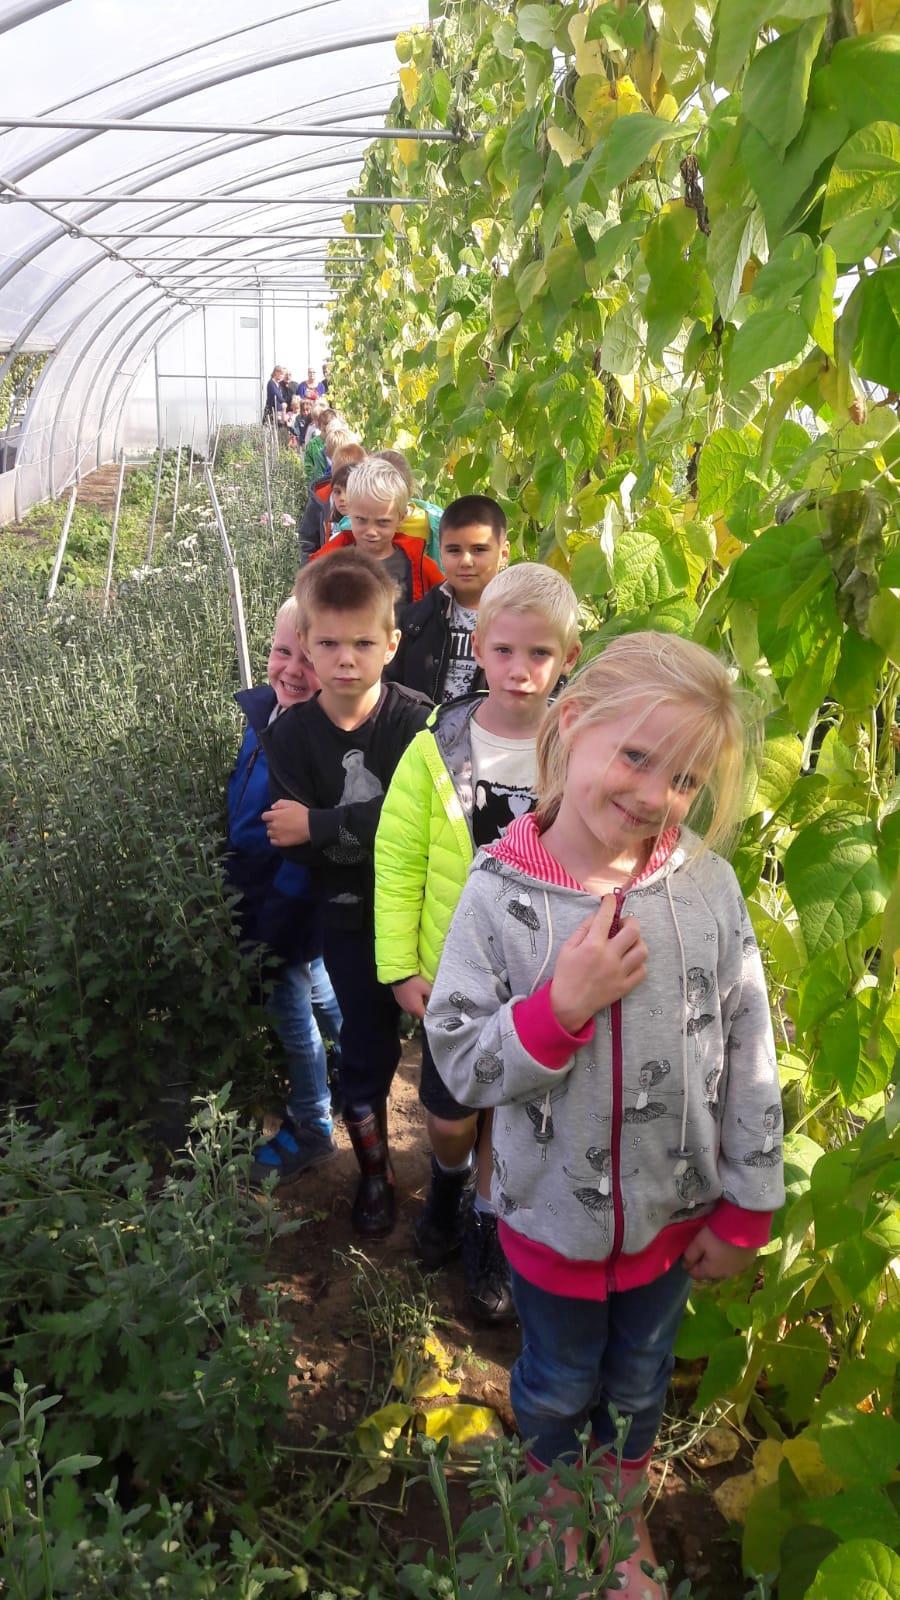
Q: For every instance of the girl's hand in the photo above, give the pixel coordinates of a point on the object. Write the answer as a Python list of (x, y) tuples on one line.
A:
[(412, 995), (708, 1257), (593, 970), (287, 824)]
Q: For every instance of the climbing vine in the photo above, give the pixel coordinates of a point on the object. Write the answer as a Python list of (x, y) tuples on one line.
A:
[(651, 301)]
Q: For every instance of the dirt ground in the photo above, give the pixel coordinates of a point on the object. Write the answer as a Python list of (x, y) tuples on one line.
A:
[(332, 1366)]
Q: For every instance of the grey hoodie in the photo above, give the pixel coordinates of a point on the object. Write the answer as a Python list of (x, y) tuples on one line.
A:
[(672, 1106)]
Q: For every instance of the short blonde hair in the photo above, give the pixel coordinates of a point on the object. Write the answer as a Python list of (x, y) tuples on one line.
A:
[(337, 434), (529, 586), (636, 674), (397, 459), (289, 612), (378, 480)]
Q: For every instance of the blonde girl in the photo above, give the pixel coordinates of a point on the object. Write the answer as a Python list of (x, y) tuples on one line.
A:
[(601, 984)]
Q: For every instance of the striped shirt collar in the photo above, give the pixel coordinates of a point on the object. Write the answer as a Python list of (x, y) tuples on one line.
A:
[(521, 847)]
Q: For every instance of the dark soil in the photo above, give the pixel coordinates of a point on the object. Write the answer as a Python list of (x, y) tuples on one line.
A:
[(333, 1359)]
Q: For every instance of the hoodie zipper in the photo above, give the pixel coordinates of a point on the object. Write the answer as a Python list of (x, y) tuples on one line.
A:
[(615, 1021)]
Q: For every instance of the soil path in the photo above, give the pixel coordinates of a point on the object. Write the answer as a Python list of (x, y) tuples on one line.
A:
[(332, 1365)]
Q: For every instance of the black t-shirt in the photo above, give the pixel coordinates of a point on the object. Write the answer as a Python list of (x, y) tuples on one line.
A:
[(342, 776)]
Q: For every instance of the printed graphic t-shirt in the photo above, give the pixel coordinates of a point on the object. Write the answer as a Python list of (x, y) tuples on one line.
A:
[(503, 778), (461, 663)]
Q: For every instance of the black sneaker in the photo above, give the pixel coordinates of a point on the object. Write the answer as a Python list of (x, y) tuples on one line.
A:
[(439, 1230), (295, 1148), (486, 1269)]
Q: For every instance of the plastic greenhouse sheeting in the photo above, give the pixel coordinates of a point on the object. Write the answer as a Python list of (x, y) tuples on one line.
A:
[(72, 277)]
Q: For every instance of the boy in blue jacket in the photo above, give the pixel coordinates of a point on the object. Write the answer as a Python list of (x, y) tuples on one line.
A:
[(276, 912)]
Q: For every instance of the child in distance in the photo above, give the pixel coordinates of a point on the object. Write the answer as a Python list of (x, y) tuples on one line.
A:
[(631, 1063), (459, 785), (330, 762)]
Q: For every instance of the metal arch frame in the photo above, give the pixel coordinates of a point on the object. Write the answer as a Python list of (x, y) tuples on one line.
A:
[(186, 161), (25, 11), (98, 261), (261, 130)]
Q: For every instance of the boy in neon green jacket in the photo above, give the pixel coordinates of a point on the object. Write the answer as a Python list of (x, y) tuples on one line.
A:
[(457, 787)]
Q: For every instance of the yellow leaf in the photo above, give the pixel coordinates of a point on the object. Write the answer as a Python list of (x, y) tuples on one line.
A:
[(805, 1458), (461, 1424), (567, 148), (349, 221), (877, 16), (433, 1384), (438, 1352), (407, 150), (668, 107), (720, 1444), (376, 1435), (386, 280), (733, 1497), (728, 548), (599, 102), (396, 216), (409, 85), (588, 52)]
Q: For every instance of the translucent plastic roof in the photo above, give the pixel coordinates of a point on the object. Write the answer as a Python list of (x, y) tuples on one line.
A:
[(110, 236)]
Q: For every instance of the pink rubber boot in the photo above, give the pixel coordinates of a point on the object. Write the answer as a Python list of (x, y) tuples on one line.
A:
[(633, 1582), (553, 1498)]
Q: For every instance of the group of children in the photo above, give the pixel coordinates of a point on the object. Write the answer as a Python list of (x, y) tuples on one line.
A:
[(466, 836)]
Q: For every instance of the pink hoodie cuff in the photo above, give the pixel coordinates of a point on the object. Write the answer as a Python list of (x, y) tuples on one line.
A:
[(542, 1035), (748, 1229)]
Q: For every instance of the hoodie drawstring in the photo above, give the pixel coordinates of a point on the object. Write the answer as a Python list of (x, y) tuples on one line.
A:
[(683, 1153), (546, 1108)]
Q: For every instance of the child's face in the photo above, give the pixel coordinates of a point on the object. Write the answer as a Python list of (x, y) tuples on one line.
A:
[(521, 658), (630, 778), (339, 499), (349, 651), (289, 671), (471, 557), (374, 524)]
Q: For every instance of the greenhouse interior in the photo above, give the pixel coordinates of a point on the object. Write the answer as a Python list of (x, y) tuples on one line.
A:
[(450, 868)]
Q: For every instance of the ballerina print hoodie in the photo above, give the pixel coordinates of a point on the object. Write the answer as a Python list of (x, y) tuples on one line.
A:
[(614, 1146)]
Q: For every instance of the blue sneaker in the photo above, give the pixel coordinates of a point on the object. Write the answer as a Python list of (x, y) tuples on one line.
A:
[(294, 1149)]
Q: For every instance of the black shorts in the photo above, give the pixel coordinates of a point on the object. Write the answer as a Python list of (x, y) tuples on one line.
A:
[(433, 1092)]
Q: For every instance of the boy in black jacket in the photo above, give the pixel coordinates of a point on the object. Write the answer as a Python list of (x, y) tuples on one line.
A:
[(330, 764), (435, 653)]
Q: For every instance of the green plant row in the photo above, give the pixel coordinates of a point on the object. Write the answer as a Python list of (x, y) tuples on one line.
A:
[(652, 304)]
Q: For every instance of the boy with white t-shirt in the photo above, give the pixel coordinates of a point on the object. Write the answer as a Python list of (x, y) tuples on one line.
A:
[(457, 787)]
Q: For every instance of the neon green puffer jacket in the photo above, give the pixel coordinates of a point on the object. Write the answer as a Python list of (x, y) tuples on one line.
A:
[(423, 848)]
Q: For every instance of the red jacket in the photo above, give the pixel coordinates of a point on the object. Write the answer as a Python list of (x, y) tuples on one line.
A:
[(425, 574)]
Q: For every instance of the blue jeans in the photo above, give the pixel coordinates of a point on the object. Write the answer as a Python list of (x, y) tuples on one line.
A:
[(580, 1355), (301, 998)]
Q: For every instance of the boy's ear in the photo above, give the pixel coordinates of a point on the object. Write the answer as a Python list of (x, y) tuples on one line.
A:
[(393, 645), (504, 555), (572, 657)]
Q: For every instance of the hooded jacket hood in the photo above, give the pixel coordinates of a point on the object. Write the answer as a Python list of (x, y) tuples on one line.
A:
[(667, 1104)]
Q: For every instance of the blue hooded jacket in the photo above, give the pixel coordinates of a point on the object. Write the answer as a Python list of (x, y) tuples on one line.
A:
[(276, 908)]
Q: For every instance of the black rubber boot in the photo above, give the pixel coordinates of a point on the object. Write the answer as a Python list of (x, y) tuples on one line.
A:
[(439, 1230), (374, 1206), (486, 1269)]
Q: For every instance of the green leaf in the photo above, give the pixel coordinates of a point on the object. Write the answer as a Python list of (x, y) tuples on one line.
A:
[(817, 300), (723, 1370), (861, 1569), (611, 245), (536, 25), (862, 79), (861, 1446), (834, 878), (875, 302), (865, 174), (776, 84), (703, 1327), (725, 460), (796, 1365), (630, 142), (786, 185), (737, 24), (765, 1526), (790, 265), (589, 573), (861, 1513), (856, 237), (645, 570), (732, 240), (768, 339), (778, 767), (620, 350)]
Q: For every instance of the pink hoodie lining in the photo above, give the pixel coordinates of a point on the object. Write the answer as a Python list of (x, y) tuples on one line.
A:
[(521, 847)]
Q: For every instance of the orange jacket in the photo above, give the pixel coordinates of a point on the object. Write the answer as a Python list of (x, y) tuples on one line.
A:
[(425, 573)]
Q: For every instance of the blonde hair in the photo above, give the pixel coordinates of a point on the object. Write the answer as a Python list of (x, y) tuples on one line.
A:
[(397, 459), (337, 434), (529, 586), (635, 675), (378, 480), (289, 612), (346, 455)]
